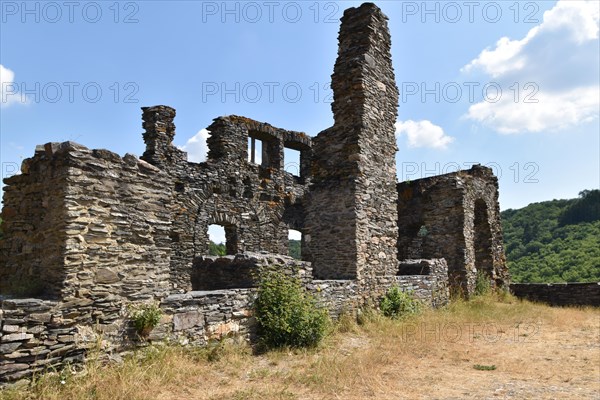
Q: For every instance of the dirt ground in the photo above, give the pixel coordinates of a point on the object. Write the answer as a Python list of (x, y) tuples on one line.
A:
[(553, 355)]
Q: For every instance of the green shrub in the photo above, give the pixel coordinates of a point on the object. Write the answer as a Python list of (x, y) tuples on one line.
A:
[(396, 303), (480, 367), (286, 314), (145, 317), (482, 284)]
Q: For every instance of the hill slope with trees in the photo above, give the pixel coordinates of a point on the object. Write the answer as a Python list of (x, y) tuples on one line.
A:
[(554, 241)]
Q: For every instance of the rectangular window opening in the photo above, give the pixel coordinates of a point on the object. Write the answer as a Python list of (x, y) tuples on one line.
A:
[(291, 161), (255, 147), (295, 244)]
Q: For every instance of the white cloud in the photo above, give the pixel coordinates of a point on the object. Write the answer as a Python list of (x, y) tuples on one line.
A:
[(506, 56), (560, 57), (196, 146), (294, 235), (574, 21), (552, 112), (8, 90), (423, 134)]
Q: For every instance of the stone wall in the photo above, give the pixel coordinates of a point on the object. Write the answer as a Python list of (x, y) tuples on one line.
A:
[(198, 316), (455, 216), (86, 224), (38, 335), (428, 279), (244, 270), (351, 218), (429, 286), (559, 294), (34, 226), (256, 204)]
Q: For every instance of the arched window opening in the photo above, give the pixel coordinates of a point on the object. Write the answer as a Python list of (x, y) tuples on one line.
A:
[(222, 240), (482, 239)]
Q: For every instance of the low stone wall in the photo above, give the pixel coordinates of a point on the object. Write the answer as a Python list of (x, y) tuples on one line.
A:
[(345, 295), (243, 270), (559, 294), (199, 316), (431, 285), (338, 296), (37, 334)]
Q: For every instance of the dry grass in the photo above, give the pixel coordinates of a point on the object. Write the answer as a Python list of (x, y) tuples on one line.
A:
[(538, 353)]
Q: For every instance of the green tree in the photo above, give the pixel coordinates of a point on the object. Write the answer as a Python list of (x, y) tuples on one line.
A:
[(294, 249), (585, 209), (216, 249), (554, 241)]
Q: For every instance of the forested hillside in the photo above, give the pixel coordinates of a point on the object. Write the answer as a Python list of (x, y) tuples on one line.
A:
[(294, 249), (554, 241)]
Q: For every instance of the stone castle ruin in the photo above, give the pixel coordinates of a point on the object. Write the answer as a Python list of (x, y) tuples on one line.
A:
[(88, 232)]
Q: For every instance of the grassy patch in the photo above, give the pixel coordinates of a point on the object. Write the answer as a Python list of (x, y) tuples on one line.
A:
[(480, 367)]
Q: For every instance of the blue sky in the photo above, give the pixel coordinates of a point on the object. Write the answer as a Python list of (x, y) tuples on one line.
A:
[(512, 85)]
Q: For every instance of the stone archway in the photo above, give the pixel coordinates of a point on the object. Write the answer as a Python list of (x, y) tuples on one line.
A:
[(211, 210), (482, 239)]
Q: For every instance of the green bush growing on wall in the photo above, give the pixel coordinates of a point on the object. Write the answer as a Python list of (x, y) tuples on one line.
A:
[(145, 317), (286, 314), (397, 303)]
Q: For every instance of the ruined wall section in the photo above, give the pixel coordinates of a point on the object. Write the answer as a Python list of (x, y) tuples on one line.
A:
[(34, 224), (483, 229), (256, 204), (455, 216), (245, 270), (110, 222), (159, 132), (431, 221), (559, 294), (352, 215)]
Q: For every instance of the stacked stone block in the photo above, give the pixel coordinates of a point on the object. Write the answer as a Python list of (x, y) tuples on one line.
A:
[(247, 199), (351, 218), (455, 216)]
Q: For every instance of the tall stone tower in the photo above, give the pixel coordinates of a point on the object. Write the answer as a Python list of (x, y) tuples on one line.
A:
[(351, 230)]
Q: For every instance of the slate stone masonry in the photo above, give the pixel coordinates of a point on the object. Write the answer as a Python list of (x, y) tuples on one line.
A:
[(351, 219), (559, 294), (89, 233), (455, 216)]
